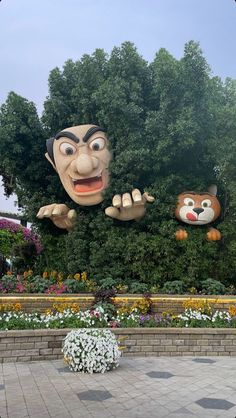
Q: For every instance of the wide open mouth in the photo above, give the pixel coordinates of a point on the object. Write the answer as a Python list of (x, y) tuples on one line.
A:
[(87, 185)]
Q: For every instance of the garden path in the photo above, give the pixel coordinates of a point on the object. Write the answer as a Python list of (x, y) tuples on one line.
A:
[(182, 387)]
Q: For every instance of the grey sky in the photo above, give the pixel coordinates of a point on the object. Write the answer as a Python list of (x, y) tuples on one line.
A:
[(38, 35)]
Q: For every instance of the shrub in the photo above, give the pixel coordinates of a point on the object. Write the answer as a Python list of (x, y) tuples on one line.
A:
[(212, 287), (107, 283), (137, 287), (91, 350), (174, 287)]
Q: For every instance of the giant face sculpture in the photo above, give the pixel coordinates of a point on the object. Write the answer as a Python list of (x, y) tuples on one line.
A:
[(197, 208), (80, 155)]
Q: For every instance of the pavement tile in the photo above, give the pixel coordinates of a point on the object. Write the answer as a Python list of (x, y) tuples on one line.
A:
[(141, 387)]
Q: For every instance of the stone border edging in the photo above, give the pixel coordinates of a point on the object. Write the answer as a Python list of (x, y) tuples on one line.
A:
[(45, 344), (161, 303)]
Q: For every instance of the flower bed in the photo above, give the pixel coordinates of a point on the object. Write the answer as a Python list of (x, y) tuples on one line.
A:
[(160, 303), (59, 283), (198, 330), (98, 318)]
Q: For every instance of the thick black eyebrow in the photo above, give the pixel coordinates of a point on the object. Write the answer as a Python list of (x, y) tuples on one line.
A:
[(67, 134), (92, 131)]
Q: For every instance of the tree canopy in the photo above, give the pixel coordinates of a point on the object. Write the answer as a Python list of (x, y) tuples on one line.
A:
[(172, 127)]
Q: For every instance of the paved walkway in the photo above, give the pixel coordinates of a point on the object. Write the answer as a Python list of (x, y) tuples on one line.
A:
[(141, 387)]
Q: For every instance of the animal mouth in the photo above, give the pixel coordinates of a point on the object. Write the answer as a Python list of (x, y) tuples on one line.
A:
[(87, 185), (194, 218)]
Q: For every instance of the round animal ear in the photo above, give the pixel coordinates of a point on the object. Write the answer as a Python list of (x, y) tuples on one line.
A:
[(212, 189)]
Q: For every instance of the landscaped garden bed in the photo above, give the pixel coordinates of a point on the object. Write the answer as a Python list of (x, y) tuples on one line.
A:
[(198, 328)]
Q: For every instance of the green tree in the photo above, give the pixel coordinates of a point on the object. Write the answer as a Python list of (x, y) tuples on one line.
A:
[(171, 127)]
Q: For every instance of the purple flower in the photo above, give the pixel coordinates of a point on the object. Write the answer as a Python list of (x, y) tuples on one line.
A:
[(28, 235)]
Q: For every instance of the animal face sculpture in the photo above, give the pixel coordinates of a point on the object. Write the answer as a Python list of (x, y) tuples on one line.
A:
[(80, 155), (198, 208)]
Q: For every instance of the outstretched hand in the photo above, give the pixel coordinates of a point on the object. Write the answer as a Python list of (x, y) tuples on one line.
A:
[(129, 206), (60, 215)]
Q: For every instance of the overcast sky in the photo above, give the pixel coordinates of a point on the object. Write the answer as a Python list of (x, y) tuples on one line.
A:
[(38, 35)]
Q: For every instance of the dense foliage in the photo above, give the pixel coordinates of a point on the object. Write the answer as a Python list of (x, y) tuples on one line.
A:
[(172, 127)]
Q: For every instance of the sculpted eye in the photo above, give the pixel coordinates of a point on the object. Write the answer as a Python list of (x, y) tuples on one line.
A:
[(97, 144), (206, 203), (67, 149), (188, 201)]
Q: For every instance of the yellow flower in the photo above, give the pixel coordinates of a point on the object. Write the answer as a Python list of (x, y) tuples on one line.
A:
[(61, 307), (45, 274), (142, 305), (84, 276), (232, 310), (201, 305), (77, 276)]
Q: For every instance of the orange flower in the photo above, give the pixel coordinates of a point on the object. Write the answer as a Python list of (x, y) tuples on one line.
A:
[(45, 274), (232, 310), (10, 307)]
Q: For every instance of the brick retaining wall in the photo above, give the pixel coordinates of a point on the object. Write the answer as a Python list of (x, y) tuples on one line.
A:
[(161, 303), (31, 345)]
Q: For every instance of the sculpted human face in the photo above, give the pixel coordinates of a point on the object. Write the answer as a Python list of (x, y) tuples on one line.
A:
[(81, 159)]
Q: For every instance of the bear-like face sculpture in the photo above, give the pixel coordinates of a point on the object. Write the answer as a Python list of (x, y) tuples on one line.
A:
[(197, 208)]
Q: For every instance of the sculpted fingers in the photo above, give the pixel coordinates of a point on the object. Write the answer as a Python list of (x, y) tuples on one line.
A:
[(72, 215), (148, 197), (112, 212), (60, 210), (136, 195), (46, 211), (126, 200), (116, 201)]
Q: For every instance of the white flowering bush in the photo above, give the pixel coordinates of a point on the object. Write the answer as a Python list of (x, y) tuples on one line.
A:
[(195, 318), (91, 350)]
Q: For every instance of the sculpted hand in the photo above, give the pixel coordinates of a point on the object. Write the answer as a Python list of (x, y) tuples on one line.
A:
[(128, 206), (213, 235), (181, 235), (60, 215)]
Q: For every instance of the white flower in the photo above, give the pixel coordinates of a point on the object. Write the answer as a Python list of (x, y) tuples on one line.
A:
[(91, 350)]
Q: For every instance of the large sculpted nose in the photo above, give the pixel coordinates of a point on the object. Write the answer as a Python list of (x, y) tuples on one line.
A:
[(84, 164)]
